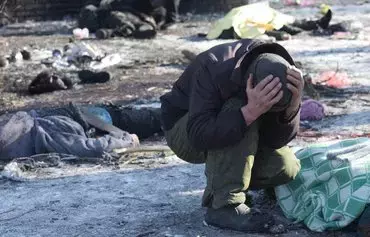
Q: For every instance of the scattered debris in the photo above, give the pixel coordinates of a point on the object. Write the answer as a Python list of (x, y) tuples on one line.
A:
[(143, 149), (57, 53), (80, 55), (333, 79), (15, 56), (309, 88), (88, 76), (277, 229), (81, 33), (338, 88), (105, 62), (26, 55), (48, 82), (3, 62), (307, 133)]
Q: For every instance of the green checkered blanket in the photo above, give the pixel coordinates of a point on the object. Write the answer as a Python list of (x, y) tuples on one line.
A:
[(333, 186)]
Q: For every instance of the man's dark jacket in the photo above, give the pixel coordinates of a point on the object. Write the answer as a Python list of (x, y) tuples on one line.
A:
[(215, 76)]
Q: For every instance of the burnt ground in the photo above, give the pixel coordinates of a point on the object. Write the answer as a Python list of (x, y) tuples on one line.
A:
[(154, 195)]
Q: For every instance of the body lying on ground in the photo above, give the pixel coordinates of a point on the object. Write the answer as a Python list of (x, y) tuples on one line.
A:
[(235, 108), (254, 20), (123, 18), (83, 131)]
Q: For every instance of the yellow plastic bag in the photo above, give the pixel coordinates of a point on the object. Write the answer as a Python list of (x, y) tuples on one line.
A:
[(250, 21)]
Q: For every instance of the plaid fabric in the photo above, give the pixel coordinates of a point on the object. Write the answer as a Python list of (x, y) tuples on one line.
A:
[(328, 193)]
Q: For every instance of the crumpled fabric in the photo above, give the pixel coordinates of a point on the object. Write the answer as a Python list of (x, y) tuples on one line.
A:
[(250, 21)]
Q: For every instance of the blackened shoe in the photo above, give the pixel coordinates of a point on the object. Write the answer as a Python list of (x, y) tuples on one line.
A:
[(90, 77)]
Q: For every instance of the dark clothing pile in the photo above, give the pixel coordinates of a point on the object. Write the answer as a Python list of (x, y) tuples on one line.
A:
[(216, 76)]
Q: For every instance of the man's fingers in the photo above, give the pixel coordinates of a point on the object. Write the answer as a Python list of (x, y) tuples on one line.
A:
[(250, 81), (277, 98), (295, 72), (264, 82), (274, 92), (293, 81), (269, 87), (293, 89)]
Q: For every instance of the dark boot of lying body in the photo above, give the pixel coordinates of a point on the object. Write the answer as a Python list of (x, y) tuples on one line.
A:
[(90, 77), (304, 25)]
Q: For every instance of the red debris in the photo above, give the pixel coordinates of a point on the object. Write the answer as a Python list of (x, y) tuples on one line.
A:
[(333, 79)]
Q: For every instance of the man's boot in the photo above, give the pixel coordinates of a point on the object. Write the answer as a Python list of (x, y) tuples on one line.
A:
[(322, 23), (239, 218)]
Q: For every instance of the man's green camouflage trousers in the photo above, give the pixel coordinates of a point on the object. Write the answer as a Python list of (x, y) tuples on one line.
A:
[(231, 171)]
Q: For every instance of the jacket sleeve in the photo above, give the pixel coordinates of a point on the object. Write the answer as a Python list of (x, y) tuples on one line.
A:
[(277, 131), (208, 126)]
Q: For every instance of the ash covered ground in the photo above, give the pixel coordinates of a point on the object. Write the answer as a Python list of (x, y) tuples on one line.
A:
[(154, 195)]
